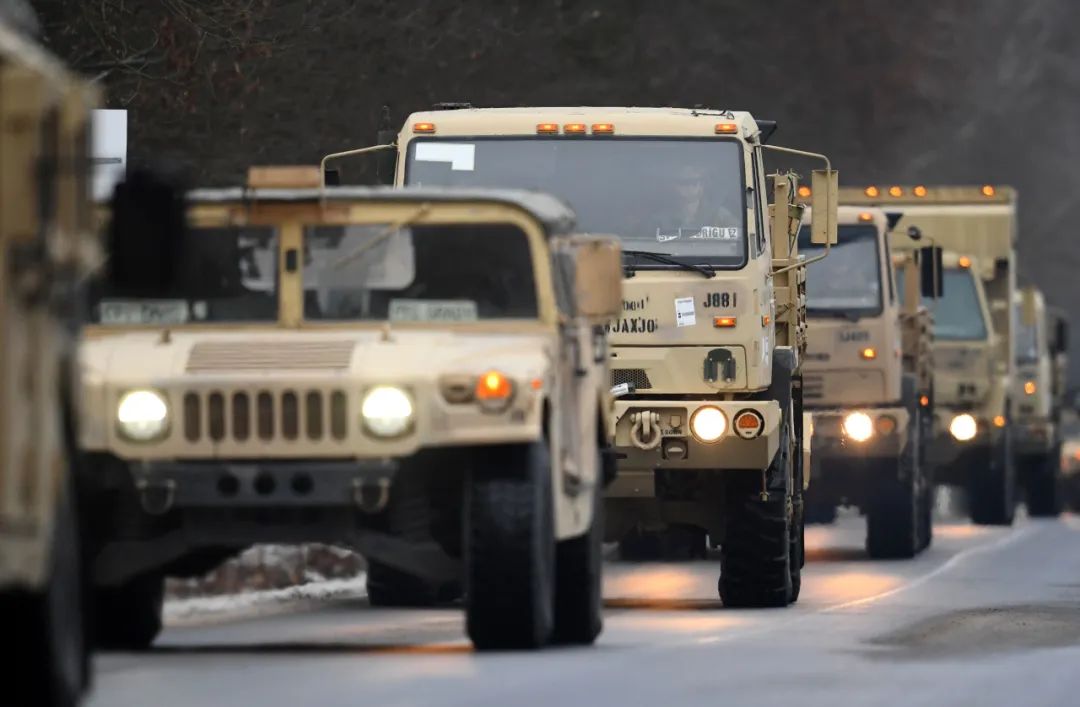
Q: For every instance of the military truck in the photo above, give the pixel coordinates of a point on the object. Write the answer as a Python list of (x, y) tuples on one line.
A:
[(1039, 388), (974, 331), (47, 245), (867, 378), (706, 350), (340, 365)]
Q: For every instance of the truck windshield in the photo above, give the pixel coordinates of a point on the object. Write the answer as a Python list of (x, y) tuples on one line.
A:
[(443, 274), (224, 275), (1027, 339), (848, 282), (957, 314), (680, 197)]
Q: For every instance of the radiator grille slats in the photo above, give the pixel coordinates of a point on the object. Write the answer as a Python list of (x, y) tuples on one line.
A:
[(637, 377), (265, 416)]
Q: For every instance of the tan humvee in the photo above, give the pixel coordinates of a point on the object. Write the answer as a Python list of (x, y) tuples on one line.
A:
[(974, 331), (418, 374), (708, 422), (867, 378), (46, 247), (1039, 388)]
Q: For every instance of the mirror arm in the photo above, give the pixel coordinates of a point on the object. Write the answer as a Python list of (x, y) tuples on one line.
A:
[(348, 153)]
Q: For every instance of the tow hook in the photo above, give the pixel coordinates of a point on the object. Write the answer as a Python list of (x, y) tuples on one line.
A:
[(645, 429), (371, 496)]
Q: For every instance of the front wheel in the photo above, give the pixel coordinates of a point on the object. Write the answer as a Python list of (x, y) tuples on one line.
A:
[(510, 549), (579, 603), (128, 616), (992, 483), (1041, 485)]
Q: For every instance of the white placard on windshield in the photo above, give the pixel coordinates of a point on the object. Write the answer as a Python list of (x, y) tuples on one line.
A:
[(684, 312), (432, 310), (460, 155), (165, 312)]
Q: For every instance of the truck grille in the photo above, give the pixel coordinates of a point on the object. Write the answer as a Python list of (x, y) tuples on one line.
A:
[(210, 356), (634, 376), (265, 415), (813, 387)]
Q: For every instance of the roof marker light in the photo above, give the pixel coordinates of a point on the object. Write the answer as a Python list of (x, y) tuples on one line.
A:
[(726, 128), (896, 192), (964, 262), (603, 128), (919, 191), (547, 128), (988, 190), (872, 191), (805, 191), (423, 127), (866, 216), (574, 128)]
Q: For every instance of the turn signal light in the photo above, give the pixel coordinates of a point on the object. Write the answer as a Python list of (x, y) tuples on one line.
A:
[(872, 192), (723, 322), (749, 424), (924, 400), (494, 386), (1029, 387), (603, 129), (574, 128), (423, 127), (869, 353), (999, 420), (547, 128), (805, 192), (726, 128), (886, 424)]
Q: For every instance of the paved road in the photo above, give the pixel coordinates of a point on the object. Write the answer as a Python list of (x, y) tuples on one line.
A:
[(987, 616)]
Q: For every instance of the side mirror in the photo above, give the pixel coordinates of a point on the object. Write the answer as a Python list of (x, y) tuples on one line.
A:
[(914, 233), (145, 234), (1061, 335), (931, 272), (597, 262), (825, 187)]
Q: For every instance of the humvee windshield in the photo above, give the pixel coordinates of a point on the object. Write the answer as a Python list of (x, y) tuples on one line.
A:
[(680, 197), (957, 314), (226, 274), (1027, 339), (445, 273), (848, 282)]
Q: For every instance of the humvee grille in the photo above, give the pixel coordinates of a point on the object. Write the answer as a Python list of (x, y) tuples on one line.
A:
[(813, 387), (634, 376), (276, 415), (249, 355)]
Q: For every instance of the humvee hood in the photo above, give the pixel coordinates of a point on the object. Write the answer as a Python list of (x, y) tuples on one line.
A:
[(143, 358)]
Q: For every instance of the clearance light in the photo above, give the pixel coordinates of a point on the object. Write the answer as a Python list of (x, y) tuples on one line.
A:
[(494, 391), (603, 129), (574, 128), (919, 191), (924, 401), (805, 192), (726, 128), (1029, 387), (765, 319), (547, 128), (866, 216), (999, 420), (423, 127), (872, 192), (964, 262), (749, 424), (708, 424), (886, 424), (988, 190), (896, 191), (536, 383), (858, 426), (723, 322), (868, 354), (963, 427)]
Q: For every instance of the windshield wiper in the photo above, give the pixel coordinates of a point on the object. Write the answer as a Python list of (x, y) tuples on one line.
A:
[(379, 237), (705, 270)]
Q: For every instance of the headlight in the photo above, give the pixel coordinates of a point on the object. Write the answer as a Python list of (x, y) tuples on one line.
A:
[(708, 424), (387, 411), (963, 427), (858, 426), (142, 416)]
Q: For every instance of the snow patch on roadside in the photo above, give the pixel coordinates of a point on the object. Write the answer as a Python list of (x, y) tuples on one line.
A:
[(246, 605)]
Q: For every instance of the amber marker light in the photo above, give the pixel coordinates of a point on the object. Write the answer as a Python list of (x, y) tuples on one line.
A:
[(872, 191), (1029, 387), (924, 400), (603, 128), (919, 191), (493, 391), (999, 420), (805, 192), (536, 383), (964, 262), (547, 128), (423, 127), (723, 322), (726, 128), (869, 353), (574, 128), (866, 216), (896, 191), (988, 190)]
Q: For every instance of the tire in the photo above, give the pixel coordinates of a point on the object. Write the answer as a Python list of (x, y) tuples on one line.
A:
[(579, 601), (798, 546), (49, 664), (926, 514), (992, 484), (128, 617), (510, 549), (894, 516), (390, 587), (1041, 485), (755, 557), (818, 513)]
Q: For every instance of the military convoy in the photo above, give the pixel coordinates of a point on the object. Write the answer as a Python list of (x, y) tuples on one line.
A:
[(975, 416), (706, 350), (47, 247), (867, 378), (309, 370)]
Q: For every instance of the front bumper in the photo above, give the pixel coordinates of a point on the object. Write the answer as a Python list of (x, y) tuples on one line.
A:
[(1033, 436), (671, 445)]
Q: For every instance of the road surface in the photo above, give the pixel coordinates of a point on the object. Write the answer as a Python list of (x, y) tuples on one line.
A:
[(987, 616)]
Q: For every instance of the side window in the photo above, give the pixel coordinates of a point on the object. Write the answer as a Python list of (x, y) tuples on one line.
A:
[(756, 197)]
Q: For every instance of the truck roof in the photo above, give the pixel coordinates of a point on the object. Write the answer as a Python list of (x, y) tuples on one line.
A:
[(917, 194), (554, 214), (628, 120)]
